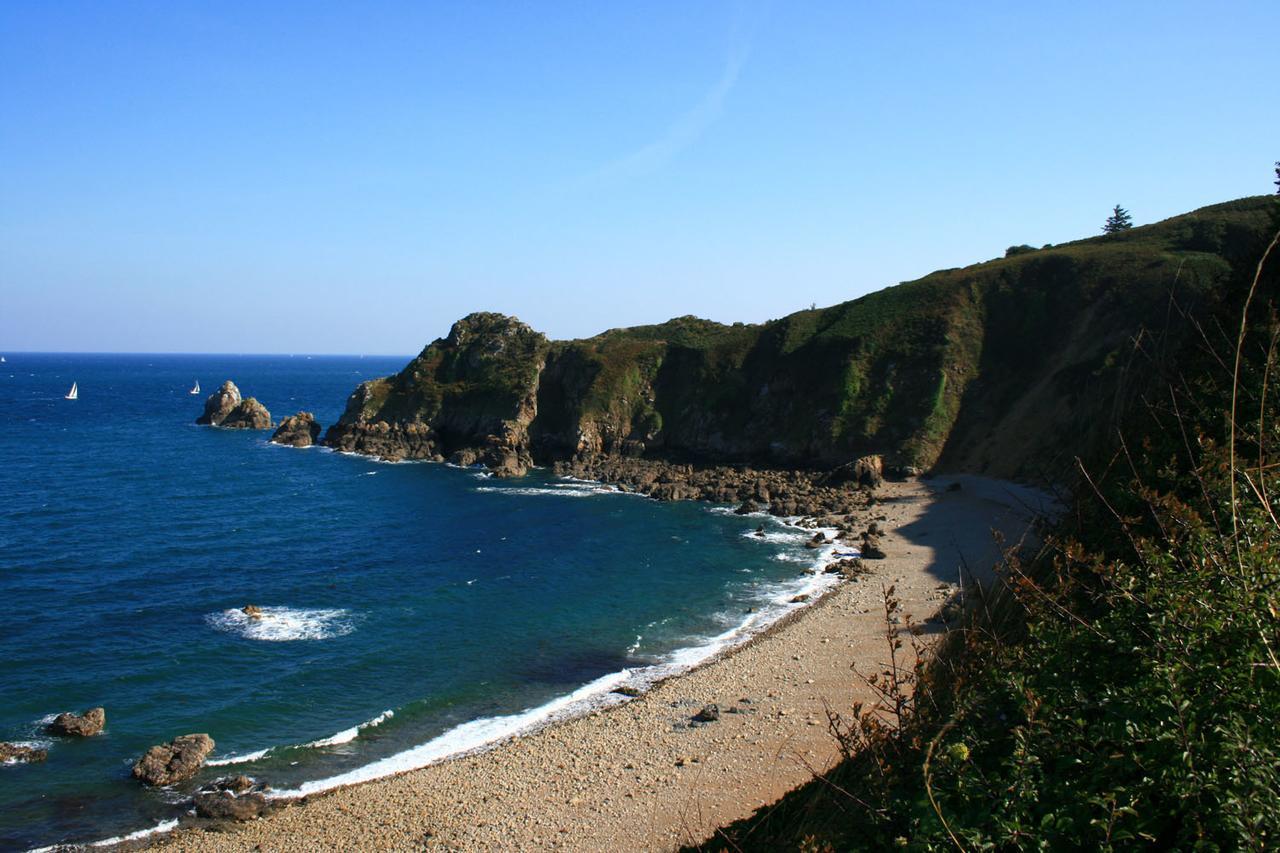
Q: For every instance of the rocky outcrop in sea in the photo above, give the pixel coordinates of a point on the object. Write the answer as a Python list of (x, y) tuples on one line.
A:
[(21, 753), (226, 408), (300, 430), (778, 492), (175, 761), (79, 725), (237, 798)]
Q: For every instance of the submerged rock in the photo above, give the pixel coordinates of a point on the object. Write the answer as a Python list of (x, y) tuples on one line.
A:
[(253, 611), (79, 725), (226, 805), (249, 414), (220, 404), (17, 753), (175, 761), (819, 539), (300, 430), (236, 784)]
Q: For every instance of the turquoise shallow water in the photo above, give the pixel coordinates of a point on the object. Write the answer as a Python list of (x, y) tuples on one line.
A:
[(466, 607)]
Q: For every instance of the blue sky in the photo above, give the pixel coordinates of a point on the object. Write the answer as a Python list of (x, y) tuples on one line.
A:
[(323, 177)]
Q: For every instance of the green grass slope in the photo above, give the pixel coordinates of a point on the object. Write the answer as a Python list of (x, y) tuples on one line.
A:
[(1008, 367)]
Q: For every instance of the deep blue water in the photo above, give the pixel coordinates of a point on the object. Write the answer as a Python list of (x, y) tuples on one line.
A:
[(129, 537)]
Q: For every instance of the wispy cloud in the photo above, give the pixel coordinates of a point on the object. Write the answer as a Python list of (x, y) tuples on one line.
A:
[(689, 127)]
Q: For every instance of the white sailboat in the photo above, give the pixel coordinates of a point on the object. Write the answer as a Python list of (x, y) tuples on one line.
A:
[(196, 388), (74, 393)]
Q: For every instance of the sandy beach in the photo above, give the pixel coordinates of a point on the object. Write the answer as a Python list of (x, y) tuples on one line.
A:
[(640, 775)]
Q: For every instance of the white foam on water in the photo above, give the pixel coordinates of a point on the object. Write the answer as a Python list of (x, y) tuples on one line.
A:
[(238, 759), (33, 744), (777, 601), (729, 510), (163, 826), (348, 735), (468, 737), (570, 492), (284, 624), (344, 736), (789, 536)]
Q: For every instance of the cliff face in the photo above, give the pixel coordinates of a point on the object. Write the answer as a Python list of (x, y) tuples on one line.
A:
[(471, 395), (1009, 367)]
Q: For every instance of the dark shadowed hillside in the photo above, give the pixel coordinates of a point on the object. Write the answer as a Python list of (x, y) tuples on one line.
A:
[(1009, 367)]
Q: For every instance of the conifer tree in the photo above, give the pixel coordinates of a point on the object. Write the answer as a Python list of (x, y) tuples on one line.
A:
[(1119, 220)]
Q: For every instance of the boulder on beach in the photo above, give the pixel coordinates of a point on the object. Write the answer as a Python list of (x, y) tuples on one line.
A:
[(300, 430), (79, 725), (249, 414), (866, 472), (219, 404), (175, 761), (709, 714), (17, 753)]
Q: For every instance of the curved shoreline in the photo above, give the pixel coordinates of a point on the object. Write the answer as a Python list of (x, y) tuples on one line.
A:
[(779, 600), (616, 776)]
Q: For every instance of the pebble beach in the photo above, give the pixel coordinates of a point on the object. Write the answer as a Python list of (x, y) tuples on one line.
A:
[(644, 774)]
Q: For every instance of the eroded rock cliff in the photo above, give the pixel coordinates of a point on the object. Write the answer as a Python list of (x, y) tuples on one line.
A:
[(1008, 368)]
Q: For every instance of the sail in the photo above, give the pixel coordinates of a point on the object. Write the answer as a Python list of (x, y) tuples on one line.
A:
[(74, 393), (196, 388)]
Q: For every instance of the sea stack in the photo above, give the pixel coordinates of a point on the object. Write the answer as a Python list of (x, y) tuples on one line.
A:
[(300, 430), (219, 404), (250, 414), (226, 408)]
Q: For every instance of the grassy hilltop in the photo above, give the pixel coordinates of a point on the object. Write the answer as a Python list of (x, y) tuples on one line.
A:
[(1008, 367)]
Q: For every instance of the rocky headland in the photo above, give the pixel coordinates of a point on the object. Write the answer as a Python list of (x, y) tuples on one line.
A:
[(1009, 368), (226, 408)]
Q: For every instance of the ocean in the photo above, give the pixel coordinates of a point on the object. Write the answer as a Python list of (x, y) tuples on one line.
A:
[(414, 610)]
